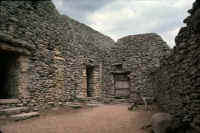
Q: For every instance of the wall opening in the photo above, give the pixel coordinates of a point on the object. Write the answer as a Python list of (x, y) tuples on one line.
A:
[(8, 75), (121, 85), (90, 81), (117, 67)]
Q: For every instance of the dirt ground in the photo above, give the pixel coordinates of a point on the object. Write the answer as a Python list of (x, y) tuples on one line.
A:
[(102, 119)]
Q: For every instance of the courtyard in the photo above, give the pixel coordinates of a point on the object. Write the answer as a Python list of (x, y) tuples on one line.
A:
[(102, 119)]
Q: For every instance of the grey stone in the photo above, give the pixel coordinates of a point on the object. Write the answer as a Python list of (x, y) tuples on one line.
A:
[(24, 116), (8, 101), (11, 111), (75, 106), (162, 123), (176, 82), (92, 105)]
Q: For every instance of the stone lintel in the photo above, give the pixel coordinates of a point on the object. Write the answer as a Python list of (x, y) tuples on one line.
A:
[(59, 58), (8, 39), (9, 48)]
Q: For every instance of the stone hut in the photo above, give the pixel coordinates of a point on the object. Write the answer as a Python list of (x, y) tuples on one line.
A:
[(176, 82), (48, 59), (133, 58)]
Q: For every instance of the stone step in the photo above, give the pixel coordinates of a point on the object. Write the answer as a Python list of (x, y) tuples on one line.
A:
[(93, 102), (8, 101), (86, 99), (24, 116), (92, 105), (75, 106), (120, 101), (13, 111)]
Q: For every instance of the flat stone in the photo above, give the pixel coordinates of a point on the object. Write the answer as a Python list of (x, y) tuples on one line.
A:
[(92, 105), (8, 101), (24, 116), (75, 106), (12, 111)]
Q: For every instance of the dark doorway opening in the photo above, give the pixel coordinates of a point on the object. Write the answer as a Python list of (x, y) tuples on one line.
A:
[(90, 81), (8, 75)]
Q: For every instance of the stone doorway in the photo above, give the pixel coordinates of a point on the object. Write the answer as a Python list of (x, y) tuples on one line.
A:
[(8, 75), (90, 81), (122, 85)]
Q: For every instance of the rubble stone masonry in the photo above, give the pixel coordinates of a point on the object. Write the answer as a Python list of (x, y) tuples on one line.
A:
[(177, 81), (53, 51)]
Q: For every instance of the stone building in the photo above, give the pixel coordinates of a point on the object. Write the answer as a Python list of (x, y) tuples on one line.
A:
[(132, 59), (48, 59), (176, 81)]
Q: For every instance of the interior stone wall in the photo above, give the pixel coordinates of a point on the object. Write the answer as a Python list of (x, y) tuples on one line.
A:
[(23, 77), (93, 78)]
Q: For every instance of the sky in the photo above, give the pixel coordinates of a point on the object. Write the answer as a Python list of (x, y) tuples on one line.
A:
[(119, 18)]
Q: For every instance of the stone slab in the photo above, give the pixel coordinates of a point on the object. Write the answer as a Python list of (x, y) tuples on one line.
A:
[(75, 106), (92, 105), (24, 116), (8, 101), (12, 111)]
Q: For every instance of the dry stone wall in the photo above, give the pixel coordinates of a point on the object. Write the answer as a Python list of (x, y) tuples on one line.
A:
[(59, 48), (176, 82), (55, 51), (139, 55)]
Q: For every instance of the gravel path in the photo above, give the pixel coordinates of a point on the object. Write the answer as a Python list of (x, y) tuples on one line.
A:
[(102, 119)]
